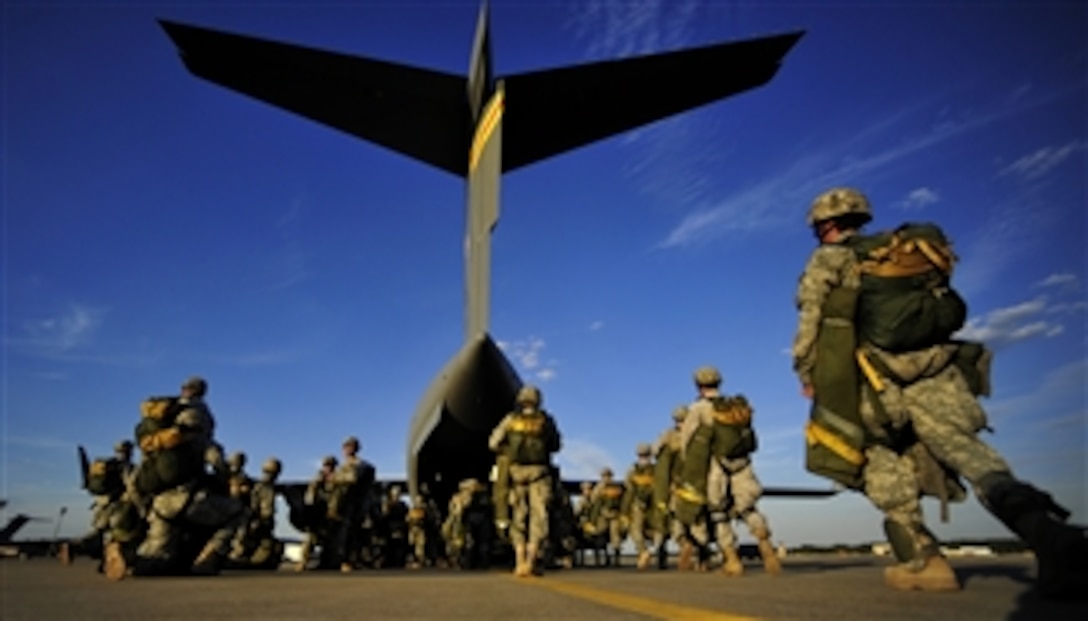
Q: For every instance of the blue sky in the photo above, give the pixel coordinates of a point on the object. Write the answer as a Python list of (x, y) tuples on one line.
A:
[(157, 226)]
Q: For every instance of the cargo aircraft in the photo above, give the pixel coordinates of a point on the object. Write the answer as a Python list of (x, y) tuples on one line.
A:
[(476, 126)]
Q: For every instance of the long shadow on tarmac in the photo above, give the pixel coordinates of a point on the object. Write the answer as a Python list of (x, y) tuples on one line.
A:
[(1031, 607)]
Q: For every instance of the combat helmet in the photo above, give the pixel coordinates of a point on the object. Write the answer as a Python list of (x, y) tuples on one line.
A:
[(680, 413), (707, 376), (329, 461), (528, 395), (124, 446), (352, 441), (838, 202), (469, 485), (237, 460), (606, 473), (272, 466), (197, 385), (643, 450)]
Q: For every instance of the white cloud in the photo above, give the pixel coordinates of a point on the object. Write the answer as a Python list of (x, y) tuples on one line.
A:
[(596, 325), (1068, 307), (918, 198), (1066, 279), (526, 354), (582, 459), (1004, 326), (620, 28), (1040, 162), (64, 332), (765, 202), (290, 265)]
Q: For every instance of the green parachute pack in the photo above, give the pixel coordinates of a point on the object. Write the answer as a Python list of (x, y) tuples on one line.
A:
[(169, 459), (105, 477), (730, 437), (906, 300), (531, 438)]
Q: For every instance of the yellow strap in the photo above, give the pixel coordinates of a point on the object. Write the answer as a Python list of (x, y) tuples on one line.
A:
[(737, 415), (869, 372), (642, 480), (690, 495), (938, 258), (815, 434)]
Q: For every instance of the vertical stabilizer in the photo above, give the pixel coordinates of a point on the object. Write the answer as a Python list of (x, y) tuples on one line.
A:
[(486, 104)]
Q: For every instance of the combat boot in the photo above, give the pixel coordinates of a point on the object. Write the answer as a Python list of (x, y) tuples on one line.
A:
[(935, 575), (1061, 550), (207, 562), (114, 565), (770, 558), (732, 565), (64, 553), (686, 560), (520, 566), (532, 568), (644, 558)]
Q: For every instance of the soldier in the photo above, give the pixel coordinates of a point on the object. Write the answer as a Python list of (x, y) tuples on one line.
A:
[(667, 466), (353, 478), (466, 527), (717, 441), (240, 486), (638, 502), (322, 515), (106, 480), (417, 533), (394, 527), (529, 437), (194, 503), (259, 547), (608, 497), (916, 405), (587, 526)]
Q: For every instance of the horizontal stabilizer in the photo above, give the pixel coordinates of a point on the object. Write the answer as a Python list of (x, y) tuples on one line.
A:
[(417, 112), (557, 110)]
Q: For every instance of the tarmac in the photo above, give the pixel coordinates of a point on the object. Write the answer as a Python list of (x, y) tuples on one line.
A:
[(813, 587)]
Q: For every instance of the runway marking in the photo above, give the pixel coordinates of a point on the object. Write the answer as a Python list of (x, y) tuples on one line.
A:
[(631, 603)]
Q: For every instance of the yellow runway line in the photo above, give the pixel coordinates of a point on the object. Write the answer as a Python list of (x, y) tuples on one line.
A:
[(640, 605)]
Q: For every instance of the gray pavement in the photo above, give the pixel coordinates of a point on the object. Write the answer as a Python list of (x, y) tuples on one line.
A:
[(815, 588)]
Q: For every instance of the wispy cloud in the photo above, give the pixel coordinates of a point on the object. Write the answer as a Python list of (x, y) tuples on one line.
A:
[(527, 355), (290, 265), (1060, 390), (1007, 325), (582, 459), (1064, 279), (596, 325), (65, 332), (875, 147), (620, 28), (918, 198), (1038, 163), (74, 336)]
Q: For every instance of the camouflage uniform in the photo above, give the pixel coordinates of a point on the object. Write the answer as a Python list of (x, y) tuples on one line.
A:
[(259, 546), (607, 497), (192, 504), (587, 526), (638, 502), (530, 428), (467, 527), (352, 479), (394, 527), (417, 532), (732, 487), (942, 412), (103, 510), (319, 528), (240, 487), (667, 447)]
